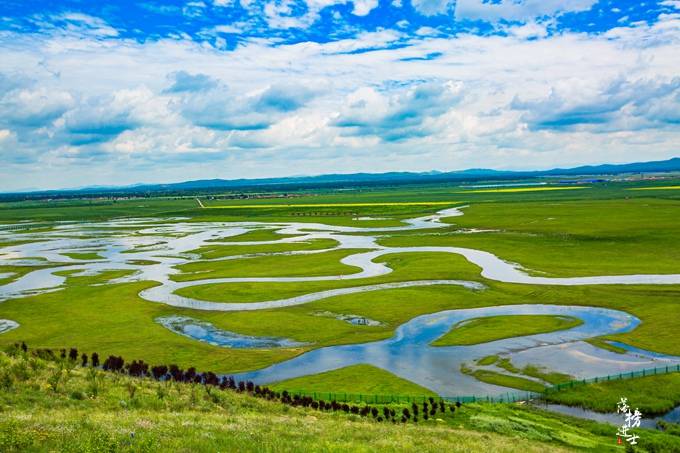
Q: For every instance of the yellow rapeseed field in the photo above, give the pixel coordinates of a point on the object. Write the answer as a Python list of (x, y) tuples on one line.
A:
[(522, 189), (657, 188)]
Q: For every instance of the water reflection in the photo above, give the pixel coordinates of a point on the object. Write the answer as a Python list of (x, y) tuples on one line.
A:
[(408, 353), (206, 332)]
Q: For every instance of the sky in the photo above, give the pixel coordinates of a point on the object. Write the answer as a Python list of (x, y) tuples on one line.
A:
[(123, 92)]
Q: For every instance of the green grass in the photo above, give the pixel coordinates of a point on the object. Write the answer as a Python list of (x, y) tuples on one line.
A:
[(652, 394), (142, 262), (113, 318), (407, 266), (551, 377), (508, 366), (600, 343), (561, 233), (264, 234), (492, 328), (220, 251), (97, 411), (83, 255), (363, 379), (535, 371), (569, 238), (504, 380), (18, 271), (326, 263), (488, 360)]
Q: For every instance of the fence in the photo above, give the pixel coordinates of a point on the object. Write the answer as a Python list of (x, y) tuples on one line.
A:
[(508, 397), (615, 377), (22, 226)]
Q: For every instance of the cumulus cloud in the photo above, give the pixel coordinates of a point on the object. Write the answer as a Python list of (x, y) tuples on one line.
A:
[(34, 107), (397, 117), (222, 109), (620, 105), (186, 82), (423, 97), (514, 10), (433, 7)]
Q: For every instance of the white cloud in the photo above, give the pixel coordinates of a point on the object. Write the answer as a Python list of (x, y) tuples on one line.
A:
[(363, 7), (529, 30), (433, 7), (514, 10), (381, 101)]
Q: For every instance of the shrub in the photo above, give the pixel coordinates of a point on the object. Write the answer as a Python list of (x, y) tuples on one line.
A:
[(6, 380), (77, 395)]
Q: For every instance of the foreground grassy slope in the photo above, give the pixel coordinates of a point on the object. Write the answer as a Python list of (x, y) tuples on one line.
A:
[(91, 410)]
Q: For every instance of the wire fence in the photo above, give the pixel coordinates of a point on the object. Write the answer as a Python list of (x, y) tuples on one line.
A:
[(508, 397), (615, 377), (24, 226)]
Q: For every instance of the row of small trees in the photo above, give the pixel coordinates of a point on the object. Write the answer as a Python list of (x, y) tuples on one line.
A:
[(140, 369)]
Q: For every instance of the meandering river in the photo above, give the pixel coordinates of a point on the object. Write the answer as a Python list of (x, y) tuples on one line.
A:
[(153, 247)]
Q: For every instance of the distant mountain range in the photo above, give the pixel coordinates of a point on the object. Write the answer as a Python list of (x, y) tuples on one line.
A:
[(345, 180)]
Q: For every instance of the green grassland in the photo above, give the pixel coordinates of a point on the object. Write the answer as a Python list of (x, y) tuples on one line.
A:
[(606, 229), (441, 192), (18, 271), (113, 319), (326, 263), (57, 406), (505, 380), (534, 371), (83, 256), (407, 266), (492, 328), (364, 379), (570, 238), (651, 394), (265, 234), (208, 252)]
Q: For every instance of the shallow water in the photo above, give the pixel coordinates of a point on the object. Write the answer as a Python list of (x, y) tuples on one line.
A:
[(672, 416), (208, 333), (7, 324), (408, 353), (357, 320), (169, 241)]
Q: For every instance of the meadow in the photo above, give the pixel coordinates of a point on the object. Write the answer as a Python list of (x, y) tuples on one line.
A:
[(608, 229)]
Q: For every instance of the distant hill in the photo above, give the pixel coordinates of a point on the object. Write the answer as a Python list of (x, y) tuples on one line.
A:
[(341, 180)]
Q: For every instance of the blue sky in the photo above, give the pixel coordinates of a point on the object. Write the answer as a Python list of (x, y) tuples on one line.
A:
[(124, 92)]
